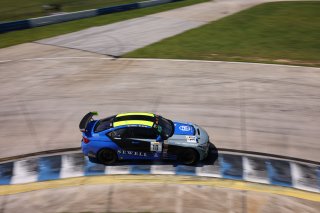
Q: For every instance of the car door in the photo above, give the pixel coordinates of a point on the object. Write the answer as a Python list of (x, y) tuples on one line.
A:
[(120, 136), (144, 140), (136, 139)]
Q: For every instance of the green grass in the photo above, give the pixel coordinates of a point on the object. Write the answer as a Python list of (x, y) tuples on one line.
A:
[(29, 35), (282, 32), (22, 9)]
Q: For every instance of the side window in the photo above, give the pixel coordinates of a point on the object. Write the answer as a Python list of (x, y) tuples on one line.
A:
[(143, 133), (119, 133)]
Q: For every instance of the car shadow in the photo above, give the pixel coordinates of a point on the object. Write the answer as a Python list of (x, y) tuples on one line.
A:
[(209, 160)]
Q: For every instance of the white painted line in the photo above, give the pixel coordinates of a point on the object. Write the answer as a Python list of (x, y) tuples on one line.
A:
[(298, 177), (208, 171), (25, 171), (117, 170), (5, 61), (162, 170), (69, 167), (155, 59), (206, 61), (58, 58), (249, 172)]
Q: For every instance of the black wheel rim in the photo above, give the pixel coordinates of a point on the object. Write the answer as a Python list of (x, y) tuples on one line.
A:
[(188, 157)]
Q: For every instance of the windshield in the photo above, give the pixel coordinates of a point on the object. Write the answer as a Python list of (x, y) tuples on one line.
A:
[(165, 127)]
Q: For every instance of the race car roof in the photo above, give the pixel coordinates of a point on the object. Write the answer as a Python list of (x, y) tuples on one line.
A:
[(134, 118)]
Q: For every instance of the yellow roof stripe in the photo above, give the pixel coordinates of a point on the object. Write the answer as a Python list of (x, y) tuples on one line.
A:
[(133, 122), (135, 113)]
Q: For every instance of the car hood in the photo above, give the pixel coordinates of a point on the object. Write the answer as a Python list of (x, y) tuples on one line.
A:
[(183, 129), (184, 135), (188, 135)]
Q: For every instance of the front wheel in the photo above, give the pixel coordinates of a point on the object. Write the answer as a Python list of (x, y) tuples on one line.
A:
[(107, 156), (188, 156)]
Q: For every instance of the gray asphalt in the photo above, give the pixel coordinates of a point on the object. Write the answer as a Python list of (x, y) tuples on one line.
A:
[(153, 198), (257, 107), (122, 37)]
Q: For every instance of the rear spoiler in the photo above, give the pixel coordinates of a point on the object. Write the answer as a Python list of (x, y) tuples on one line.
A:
[(85, 120)]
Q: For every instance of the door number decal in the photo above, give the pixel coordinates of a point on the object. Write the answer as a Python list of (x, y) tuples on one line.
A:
[(155, 146)]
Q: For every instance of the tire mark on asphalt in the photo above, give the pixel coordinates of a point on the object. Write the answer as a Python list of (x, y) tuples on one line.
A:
[(179, 201), (72, 48), (156, 104), (32, 130), (244, 201), (4, 204), (243, 123), (261, 80), (118, 44), (55, 133), (109, 201)]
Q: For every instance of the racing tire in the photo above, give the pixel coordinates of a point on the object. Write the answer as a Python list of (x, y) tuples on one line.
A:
[(188, 156), (107, 156)]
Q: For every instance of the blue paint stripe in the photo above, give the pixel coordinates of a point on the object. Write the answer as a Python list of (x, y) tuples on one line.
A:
[(91, 169), (279, 172), (231, 166), (6, 172), (185, 170), (140, 169), (49, 168)]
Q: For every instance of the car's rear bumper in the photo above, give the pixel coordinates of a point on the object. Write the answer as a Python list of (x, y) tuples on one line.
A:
[(87, 151)]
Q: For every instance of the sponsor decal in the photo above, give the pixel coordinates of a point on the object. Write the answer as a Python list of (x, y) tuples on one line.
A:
[(191, 139), (134, 153), (185, 128)]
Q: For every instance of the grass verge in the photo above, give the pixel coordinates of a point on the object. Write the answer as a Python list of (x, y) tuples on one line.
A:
[(29, 35), (281, 32)]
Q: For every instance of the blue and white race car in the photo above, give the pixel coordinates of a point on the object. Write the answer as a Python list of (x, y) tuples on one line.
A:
[(142, 136)]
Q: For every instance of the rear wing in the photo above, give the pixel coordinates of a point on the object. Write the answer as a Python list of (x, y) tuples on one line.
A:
[(85, 120)]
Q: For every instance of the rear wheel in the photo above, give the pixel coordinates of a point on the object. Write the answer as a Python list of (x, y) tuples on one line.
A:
[(188, 156), (107, 156)]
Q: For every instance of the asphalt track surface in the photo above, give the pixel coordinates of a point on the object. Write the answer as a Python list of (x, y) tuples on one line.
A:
[(122, 37), (267, 108), (256, 107), (165, 194)]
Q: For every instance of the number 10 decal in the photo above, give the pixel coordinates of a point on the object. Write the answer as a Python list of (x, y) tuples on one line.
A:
[(155, 146)]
